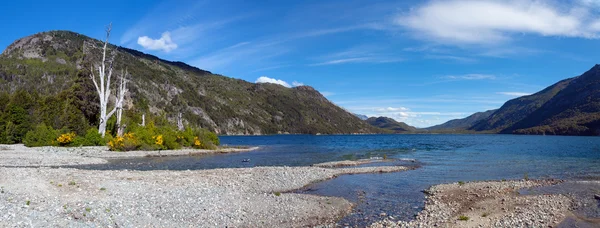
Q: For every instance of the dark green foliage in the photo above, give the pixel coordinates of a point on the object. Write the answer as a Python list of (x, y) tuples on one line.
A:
[(42, 135), (93, 138)]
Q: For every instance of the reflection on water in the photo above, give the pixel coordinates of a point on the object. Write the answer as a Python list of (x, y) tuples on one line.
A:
[(443, 159)]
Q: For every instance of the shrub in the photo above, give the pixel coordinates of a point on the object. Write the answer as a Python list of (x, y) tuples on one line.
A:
[(463, 218), (66, 139), (93, 138), (41, 135), (127, 142)]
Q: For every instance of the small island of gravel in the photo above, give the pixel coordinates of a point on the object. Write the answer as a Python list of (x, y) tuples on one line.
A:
[(488, 204)]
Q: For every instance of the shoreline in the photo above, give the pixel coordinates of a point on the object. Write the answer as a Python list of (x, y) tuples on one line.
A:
[(234, 197), (43, 196), (18, 155), (258, 196)]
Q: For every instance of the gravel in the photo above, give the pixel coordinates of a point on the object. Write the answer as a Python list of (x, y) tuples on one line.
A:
[(19, 155), (240, 197), (345, 163), (488, 204)]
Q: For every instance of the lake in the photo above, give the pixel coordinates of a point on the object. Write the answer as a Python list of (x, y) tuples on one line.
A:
[(441, 159)]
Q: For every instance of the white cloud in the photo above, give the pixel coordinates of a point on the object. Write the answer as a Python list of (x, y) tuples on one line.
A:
[(164, 43), (295, 83), (390, 109), (471, 77), (493, 21), (514, 94), (264, 79)]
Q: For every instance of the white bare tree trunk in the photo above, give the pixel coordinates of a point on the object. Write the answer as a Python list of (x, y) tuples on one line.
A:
[(103, 88), (143, 120), (119, 105), (180, 122)]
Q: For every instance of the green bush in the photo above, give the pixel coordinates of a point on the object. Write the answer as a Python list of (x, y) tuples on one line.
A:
[(93, 138), (166, 137), (41, 135)]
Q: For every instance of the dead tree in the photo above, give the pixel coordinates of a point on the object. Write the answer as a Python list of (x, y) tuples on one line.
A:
[(180, 122), (103, 87), (119, 104)]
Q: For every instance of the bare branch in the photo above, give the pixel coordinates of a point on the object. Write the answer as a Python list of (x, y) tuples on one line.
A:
[(111, 112), (94, 79)]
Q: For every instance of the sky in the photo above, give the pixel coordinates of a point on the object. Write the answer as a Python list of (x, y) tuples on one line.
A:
[(420, 62)]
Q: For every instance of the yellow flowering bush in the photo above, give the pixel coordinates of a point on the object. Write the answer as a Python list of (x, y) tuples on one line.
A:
[(158, 140), (197, 143), (126, 142), (66, 139)]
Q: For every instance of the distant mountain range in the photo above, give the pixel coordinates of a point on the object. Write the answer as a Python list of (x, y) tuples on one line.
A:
[(569, 107), (362, 117), (462, 124), (390, 124)]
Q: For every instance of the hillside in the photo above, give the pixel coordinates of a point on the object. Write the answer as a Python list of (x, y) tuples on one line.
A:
[(50, 70), (569, 107), (390, 124), (462, 124)]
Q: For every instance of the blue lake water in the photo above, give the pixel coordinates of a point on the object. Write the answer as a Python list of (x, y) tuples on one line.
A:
[(442, 159)]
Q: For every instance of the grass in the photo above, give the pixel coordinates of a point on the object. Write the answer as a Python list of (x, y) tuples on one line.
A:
[(277, 193), (102, 189), (88, 209), (461, 183), (463, 218), (28, 202), (485, 214), (72, 183), (59, 185)]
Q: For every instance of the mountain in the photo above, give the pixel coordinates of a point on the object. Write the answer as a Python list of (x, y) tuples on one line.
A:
[(362, 117), (569, 107), (390, 124), (464, 123), (53, 68)]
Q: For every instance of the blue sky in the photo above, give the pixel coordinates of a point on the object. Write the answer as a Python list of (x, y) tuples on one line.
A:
[(421, 62)]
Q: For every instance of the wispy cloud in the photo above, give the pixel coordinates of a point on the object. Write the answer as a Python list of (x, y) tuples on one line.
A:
[(452, 58), (392, 109), (492, 22), (470, 77), (359, 54), (327, 93), (271, 68), (514, 94)]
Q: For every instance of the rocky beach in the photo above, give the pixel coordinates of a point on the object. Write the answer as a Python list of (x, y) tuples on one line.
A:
[(243, 197), (36, 191)]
